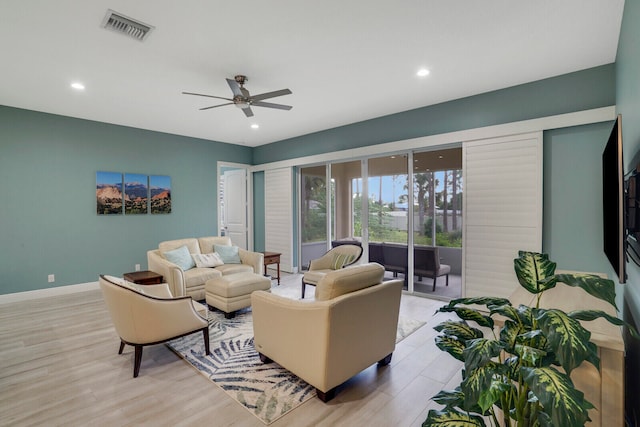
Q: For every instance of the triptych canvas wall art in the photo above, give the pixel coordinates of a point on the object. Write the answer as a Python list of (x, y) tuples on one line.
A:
[(132, 193)]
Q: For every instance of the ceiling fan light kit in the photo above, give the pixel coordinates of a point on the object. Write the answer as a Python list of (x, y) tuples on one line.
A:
[(243, 99)]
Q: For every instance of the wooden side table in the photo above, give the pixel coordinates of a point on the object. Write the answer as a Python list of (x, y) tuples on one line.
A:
[(144, 277), (272, 258)]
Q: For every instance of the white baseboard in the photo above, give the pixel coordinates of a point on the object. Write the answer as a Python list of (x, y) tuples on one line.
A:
[(49, 292)]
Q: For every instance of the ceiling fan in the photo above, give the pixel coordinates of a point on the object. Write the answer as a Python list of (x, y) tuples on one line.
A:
[(244, 100)]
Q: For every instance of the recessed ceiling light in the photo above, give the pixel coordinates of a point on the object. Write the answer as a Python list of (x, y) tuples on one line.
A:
[(422, 72), (255, 126), (77, 86)]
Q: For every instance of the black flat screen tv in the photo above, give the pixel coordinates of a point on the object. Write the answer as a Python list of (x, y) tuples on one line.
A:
[(613, 202)]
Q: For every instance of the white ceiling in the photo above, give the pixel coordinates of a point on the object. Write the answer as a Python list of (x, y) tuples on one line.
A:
[(344, 60)]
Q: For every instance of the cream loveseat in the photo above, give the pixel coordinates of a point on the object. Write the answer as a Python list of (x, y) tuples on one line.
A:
[(351, 325), (191, 282)]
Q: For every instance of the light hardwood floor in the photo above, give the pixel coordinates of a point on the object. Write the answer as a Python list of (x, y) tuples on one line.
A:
[(59, 365)]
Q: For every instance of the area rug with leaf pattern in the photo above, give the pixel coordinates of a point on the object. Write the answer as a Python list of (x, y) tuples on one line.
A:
[(267, 390)]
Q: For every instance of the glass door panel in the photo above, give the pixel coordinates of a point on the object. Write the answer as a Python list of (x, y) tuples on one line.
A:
[(438, 187), (388, 214), (346, 184), (313, 213)]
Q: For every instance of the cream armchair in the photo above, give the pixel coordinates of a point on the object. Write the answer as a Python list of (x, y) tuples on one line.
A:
[(335, 259), (351, 325), (146, 315), (191, 282)]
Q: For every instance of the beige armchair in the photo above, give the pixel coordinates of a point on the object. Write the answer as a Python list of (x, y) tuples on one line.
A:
[(335, 259), (351, 325), (146, 315)]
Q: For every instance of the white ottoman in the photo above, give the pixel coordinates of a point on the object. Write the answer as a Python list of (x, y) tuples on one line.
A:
[(233, 291)]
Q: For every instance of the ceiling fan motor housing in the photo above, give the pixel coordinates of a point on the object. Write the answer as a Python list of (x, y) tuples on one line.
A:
[(241, 102)]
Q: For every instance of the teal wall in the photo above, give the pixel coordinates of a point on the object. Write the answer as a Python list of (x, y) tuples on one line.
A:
[(582, 90), (258, 211), (572, 216), (628, 104), (48, 221)]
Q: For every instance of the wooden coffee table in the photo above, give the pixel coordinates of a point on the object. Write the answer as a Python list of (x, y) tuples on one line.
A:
[(272, 258)]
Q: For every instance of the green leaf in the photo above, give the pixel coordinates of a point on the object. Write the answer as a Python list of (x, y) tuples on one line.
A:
[(529, 354), (478, 381), (460, 330), (526, 315), (455, 399), (492, 395), (486, 301), (506, 310), (469, 314), (479, 352), (566, 338), (531, 267), (560, 400), (451, 345), (603, 289), (450, 398), (544, 420), (529, 335), (533, 338), (509, 334), (594, 314), (452, 418)]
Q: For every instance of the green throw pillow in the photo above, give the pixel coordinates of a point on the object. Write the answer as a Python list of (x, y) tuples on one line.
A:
[(228, 254), (181, 257), (340, 260)]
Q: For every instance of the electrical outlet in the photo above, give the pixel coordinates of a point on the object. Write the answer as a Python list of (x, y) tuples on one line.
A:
[(137, 267), (51, 278)]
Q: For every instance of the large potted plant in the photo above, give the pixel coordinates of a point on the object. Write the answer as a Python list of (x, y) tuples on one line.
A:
[(512, 377)]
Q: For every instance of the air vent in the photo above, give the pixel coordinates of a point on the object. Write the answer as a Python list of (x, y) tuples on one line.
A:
[(119, 23)]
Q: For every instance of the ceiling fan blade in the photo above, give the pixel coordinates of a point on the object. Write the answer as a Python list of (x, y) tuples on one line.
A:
[(247, 112), (273, 94), (208, 96), (271, 105), (235, 87), (214, 106)]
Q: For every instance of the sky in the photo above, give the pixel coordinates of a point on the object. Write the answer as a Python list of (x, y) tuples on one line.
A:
[(160, 181), (113, 178), (392, 189)]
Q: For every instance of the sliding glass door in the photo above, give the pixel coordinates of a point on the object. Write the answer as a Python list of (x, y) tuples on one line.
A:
[(401, 208)]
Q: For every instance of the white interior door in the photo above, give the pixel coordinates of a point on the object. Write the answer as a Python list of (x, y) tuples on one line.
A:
[(235, 206)]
